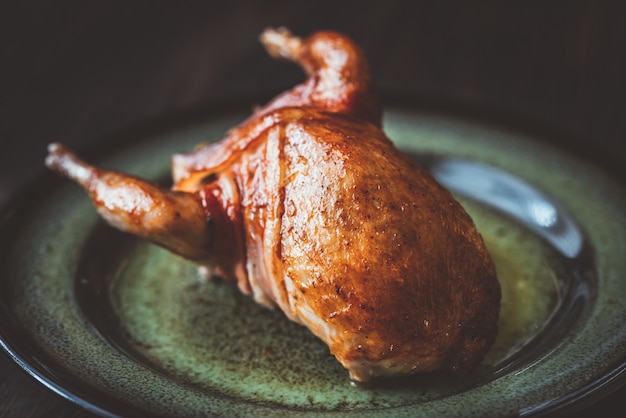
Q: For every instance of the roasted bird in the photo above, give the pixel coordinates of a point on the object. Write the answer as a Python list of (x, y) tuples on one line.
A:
[(309, 207)]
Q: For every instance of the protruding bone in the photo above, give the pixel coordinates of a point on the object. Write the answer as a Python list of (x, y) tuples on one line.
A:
[(280, 43), (174, 220), (339, 77)]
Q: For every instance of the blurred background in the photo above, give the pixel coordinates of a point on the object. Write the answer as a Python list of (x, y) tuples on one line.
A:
[(80, 71)]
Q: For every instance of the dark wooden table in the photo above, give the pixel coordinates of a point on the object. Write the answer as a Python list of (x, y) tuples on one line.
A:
[(79, 71)]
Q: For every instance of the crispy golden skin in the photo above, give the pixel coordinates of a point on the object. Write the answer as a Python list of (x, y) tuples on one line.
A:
[(311, 208)]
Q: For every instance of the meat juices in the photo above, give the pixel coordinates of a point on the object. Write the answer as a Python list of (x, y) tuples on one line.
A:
[(309, 207)]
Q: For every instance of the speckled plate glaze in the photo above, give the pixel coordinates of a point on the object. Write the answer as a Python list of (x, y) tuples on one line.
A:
[(124, 328)]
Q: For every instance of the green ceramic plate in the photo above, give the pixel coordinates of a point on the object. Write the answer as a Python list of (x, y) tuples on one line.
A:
[(122, 327)]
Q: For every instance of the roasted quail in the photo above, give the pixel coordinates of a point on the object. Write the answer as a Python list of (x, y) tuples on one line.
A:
[(308, 206)]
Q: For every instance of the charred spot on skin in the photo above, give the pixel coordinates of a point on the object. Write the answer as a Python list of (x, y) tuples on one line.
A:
[(208, 179), (210, 224)]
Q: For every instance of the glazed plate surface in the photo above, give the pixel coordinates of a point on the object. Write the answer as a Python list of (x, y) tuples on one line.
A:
[(124, 328)]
